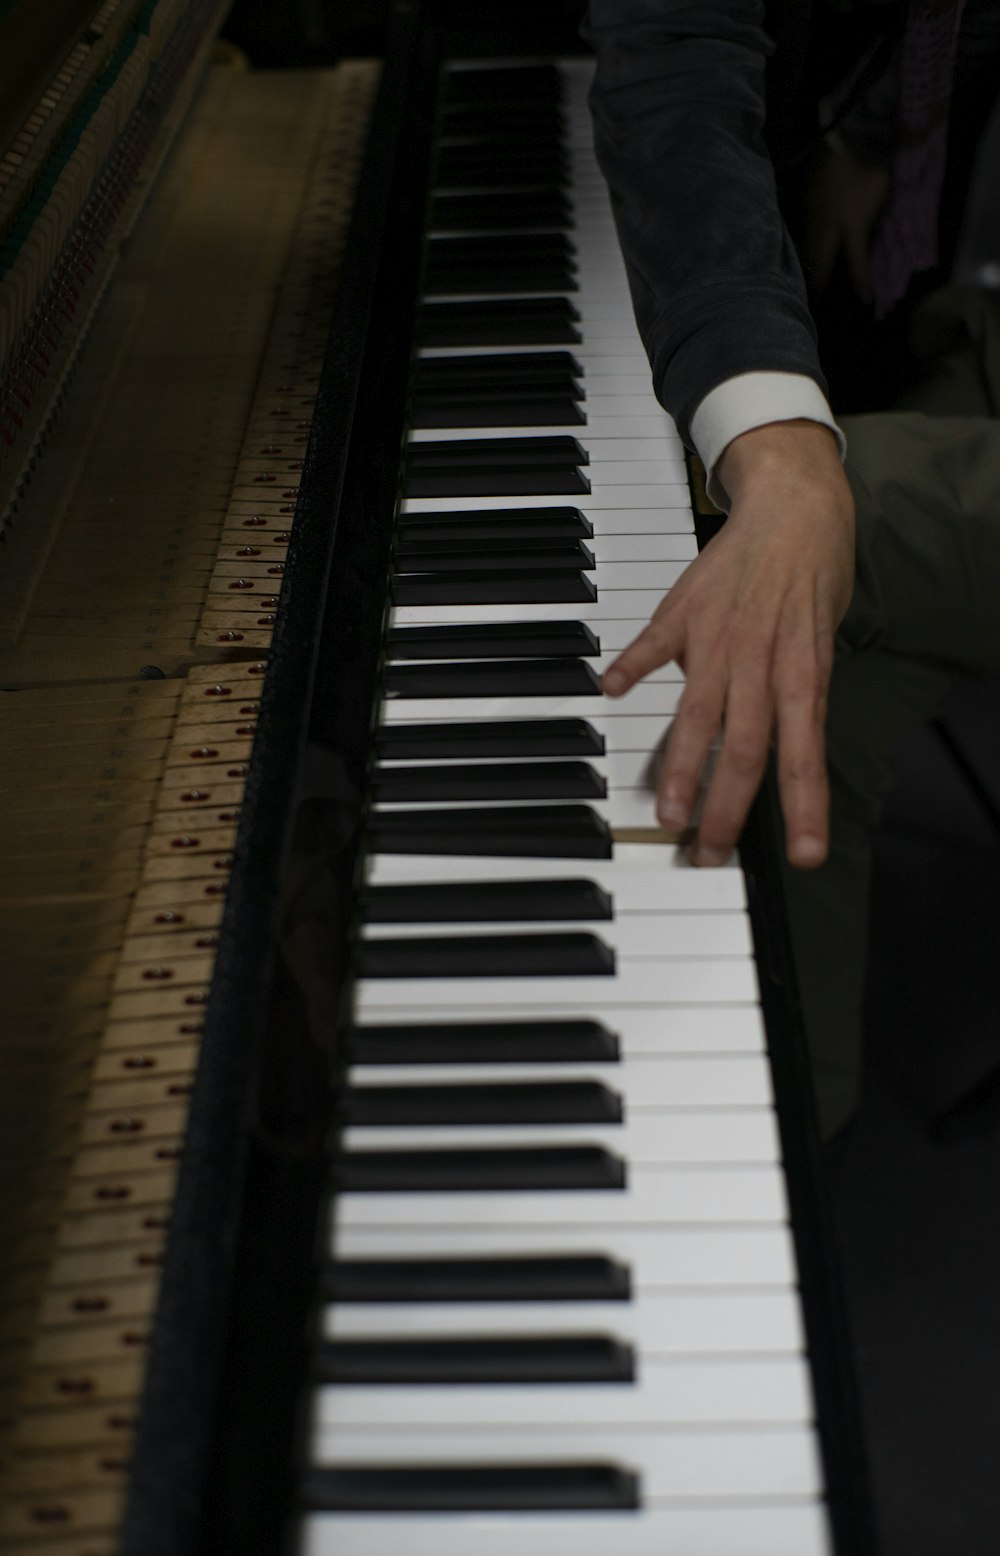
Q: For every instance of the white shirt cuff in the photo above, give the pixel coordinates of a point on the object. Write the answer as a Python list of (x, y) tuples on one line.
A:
[(754, 400)]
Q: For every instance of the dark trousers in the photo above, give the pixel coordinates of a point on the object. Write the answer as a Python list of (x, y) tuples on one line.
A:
[(925, 609)]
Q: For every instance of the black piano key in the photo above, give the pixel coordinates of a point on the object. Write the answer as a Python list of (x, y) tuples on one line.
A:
[(463, 556), (511, 481), (479, 1488), (535, 367), (550, 832), (500, 151), (498, 738), (484, 1042), (530, 1278), (508, 384), (526, 254), (541, 276), (506, 524), (502, 84), (493, 588), (516, 169), (583, 1358), (463, 168), (511, 247), (496, 640), (494, 678), (522, 209), (505, 398), (493, 902), (496, 453), (514, 781), (499, 100), (499, 321), (536, 123), (566, 954), (495, 400), (539, 1103), (498, 274), (526, 412), (515, 1169)]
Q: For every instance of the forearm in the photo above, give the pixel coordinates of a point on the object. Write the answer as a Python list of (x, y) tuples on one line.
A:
[(678, 107)]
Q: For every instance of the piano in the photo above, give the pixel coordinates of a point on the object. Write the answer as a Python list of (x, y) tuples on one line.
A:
[(499, 1216)]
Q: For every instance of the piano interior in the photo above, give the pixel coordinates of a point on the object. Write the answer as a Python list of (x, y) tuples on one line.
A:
[(267, 869)]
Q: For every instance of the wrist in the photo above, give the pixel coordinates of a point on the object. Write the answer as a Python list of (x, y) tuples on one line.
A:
[(780, 450)]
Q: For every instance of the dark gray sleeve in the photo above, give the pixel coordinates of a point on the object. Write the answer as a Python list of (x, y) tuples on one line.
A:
[(678, 106)]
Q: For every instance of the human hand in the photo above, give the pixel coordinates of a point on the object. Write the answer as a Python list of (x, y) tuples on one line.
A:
[(751, 623), (843, 200)]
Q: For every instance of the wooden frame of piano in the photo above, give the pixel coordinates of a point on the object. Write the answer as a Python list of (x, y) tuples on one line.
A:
[(222, 1417)]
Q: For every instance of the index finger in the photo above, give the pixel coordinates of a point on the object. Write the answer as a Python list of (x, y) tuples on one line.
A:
[(657, 644)]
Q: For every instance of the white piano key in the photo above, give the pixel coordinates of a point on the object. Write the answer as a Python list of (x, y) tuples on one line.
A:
[(607, 493), (645, 876), (619, 769), (631, 935), (652, 1138), (625, 394), (605, 473), (718, 1462), (658, 1323), (647, 1081), (642, 548), (738, 1389), (753, 1191), (616, 421), (793, 1528), (597, 662), (624, 356), (638, 521), (609, 397), (715, 980), (656, 1255), (647, 698)]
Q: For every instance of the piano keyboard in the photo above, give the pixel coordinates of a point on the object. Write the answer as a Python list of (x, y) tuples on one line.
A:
[(563, 1310)]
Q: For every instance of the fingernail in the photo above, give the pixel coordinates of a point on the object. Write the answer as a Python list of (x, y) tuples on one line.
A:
[(673, 809), (614, 683), (710, 858), (807, 852)]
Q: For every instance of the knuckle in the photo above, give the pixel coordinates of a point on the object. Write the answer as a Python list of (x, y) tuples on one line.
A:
[(806, 694), (744, 755), (806, 768), (753, 651), (700, 712)]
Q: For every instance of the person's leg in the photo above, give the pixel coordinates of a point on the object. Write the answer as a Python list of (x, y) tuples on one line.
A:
[(875, 699), (926, 606)]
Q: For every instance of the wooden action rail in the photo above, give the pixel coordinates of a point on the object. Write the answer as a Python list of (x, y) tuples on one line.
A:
[(129, 681)]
